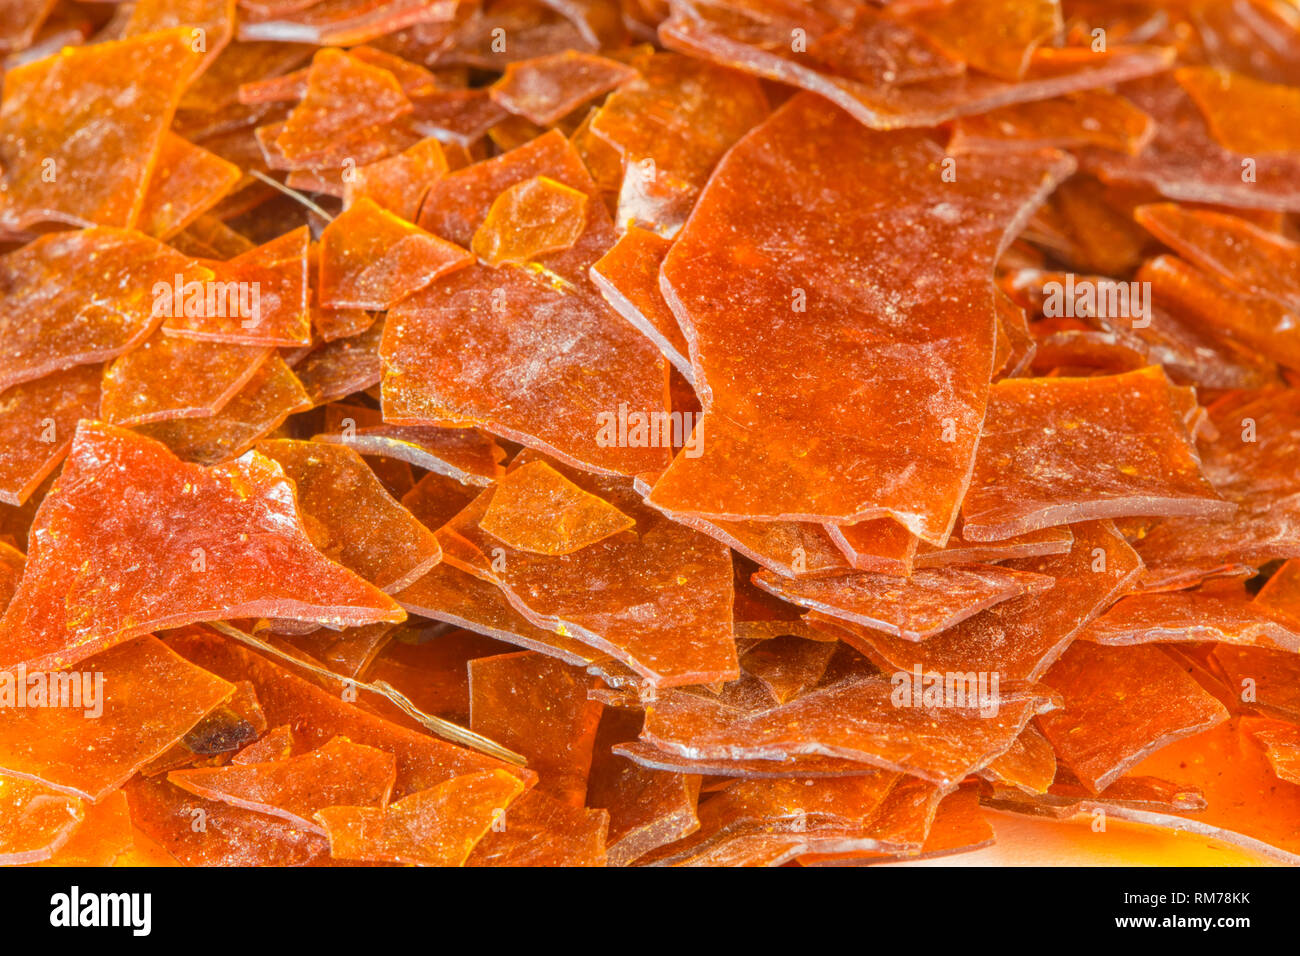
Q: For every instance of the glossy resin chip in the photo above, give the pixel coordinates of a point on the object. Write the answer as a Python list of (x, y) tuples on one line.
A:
[(171, 544), (537, 509), (530, 219), (547, 88)]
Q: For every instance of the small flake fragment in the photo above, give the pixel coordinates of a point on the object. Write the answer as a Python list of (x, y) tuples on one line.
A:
[(35, 821), (538, 830), (37, 421), (537, 509), (530, 219), (187, 181), (435, 827), (1223, 97), (548, 88)]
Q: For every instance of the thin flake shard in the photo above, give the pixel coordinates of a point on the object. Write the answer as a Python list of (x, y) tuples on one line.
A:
[(351, 517), (37, 421), (537, 509), (548, 88), (171, 544), (758, 459), (530, 219), (1102, 447), (435, 827), (913, 608)]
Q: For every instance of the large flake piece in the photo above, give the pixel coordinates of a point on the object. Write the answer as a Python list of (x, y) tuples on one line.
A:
[(848, 73), (260, 298), (435, 827), (665, 591), (994, 36), (807, 280), (913, 608), (145, 700), (1018, 639), (535, 508), (504, 348), (340, 773), (1058, 450), (1089, 118), (558, 736), (79, 298), (171, 543), (548, 88), (211, 20), (94, 116), (1121, 705), (371, 259), (350, 516), (37, 420), (1182, 616)]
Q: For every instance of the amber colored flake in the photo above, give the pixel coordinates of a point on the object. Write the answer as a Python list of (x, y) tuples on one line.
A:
[(434, 827), (429, 664), (371, 259), (1088, 118), (647, 808), (1281, 743), (1185, 162), (37, 420), (1248, 462), (348, 652), (1120, 705), (341, 367), (800, 765), (684, 576), (457, 597), (96, 116), (173, 376), (538, 830), (35, 821), (1235, 249), (1021, 638), (275, 744), (350, 516), (51, 323), (1244, 114), (628, 277), (208, 237), (266, 305), (501, 348), (22, 20), (1078, 449), (399, 183), (875, 99), (788, 666), (171, 544), (854, 717), (671, 125), (1028, 764), (548, 88), (213, 20), (187, 181), (791, 816), (530, 219), (560, 729), (878, 545), (103, 835), (345, 100), (340, 773), (757, 458), (913, 608), (1245, 802), (959, 551), (229, 836), (537, 509), (1262, 679), (994, 36), (461, 454), (12, 562), (271, 395), (1179, 616), (147, 700), (316, 714)]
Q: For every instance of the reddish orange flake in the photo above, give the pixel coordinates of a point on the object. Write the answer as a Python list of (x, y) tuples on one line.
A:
[(537, 509), (187, 181), (187, 544), (547, 88), (530, 219), (37, 420)]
